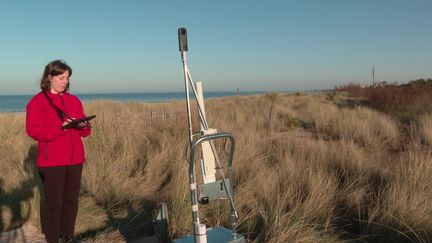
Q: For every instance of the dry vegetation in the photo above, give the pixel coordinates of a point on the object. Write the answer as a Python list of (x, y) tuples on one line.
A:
[(307, 168), (405, 101)]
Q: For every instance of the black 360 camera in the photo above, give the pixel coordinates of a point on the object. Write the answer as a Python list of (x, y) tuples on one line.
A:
[(182, 36)]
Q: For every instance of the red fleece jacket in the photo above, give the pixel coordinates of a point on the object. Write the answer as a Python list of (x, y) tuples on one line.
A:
[(56, 147)]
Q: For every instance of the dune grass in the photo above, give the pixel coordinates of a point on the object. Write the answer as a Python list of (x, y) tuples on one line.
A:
[(306, 170)]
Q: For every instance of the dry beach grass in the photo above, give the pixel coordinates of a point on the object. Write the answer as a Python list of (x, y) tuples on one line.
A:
[(307, 168)]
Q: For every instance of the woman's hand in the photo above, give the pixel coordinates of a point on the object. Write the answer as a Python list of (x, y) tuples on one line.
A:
[(67, 122), (83, 124), (80, 125)]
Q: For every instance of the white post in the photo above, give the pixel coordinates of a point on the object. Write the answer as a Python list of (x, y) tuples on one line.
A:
[(208, 164), (201, 236)]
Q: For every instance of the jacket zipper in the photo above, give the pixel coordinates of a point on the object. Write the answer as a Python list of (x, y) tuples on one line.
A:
[(46, 151), (70, 130)]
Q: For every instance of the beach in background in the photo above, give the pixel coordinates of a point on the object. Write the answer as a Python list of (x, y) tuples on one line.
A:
[(17, 103)]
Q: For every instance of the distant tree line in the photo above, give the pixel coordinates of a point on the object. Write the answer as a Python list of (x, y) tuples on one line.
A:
[(413, 97), (420, 81)]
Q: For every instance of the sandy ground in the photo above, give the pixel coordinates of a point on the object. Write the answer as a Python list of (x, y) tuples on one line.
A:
[(27, 233), (31, 234)]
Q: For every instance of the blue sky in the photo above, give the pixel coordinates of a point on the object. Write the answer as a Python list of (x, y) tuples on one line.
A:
[(124, 46)]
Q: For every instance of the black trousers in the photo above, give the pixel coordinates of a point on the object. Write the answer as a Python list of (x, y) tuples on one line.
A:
[(61, 186)]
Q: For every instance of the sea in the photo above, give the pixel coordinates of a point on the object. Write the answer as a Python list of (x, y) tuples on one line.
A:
[(17, 103)]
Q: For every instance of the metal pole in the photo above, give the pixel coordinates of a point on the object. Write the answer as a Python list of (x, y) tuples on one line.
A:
[(183, 55)]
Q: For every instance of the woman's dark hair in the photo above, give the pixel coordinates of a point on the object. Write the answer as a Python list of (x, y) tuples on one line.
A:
[(54, 68)]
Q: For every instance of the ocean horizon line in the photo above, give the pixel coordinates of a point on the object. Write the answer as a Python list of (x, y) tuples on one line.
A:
[(17, 103)]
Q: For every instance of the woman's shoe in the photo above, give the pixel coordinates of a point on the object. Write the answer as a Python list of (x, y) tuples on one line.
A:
[(68, 239)]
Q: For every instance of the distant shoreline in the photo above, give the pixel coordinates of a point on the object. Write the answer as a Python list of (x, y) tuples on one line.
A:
[(17, 103)]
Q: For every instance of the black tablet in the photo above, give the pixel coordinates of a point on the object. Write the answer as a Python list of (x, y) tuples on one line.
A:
[(75, 122)]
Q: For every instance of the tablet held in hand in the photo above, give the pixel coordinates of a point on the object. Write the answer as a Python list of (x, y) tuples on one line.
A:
[(74, 123)]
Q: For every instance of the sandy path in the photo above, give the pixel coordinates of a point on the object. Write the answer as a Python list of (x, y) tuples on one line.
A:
[(27, 233)]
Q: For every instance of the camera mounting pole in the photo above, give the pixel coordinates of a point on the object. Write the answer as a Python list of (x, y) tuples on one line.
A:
[(212, 190), (183, 47)]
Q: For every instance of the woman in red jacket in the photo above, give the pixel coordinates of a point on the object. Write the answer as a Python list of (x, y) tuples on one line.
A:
[(60, 151)]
